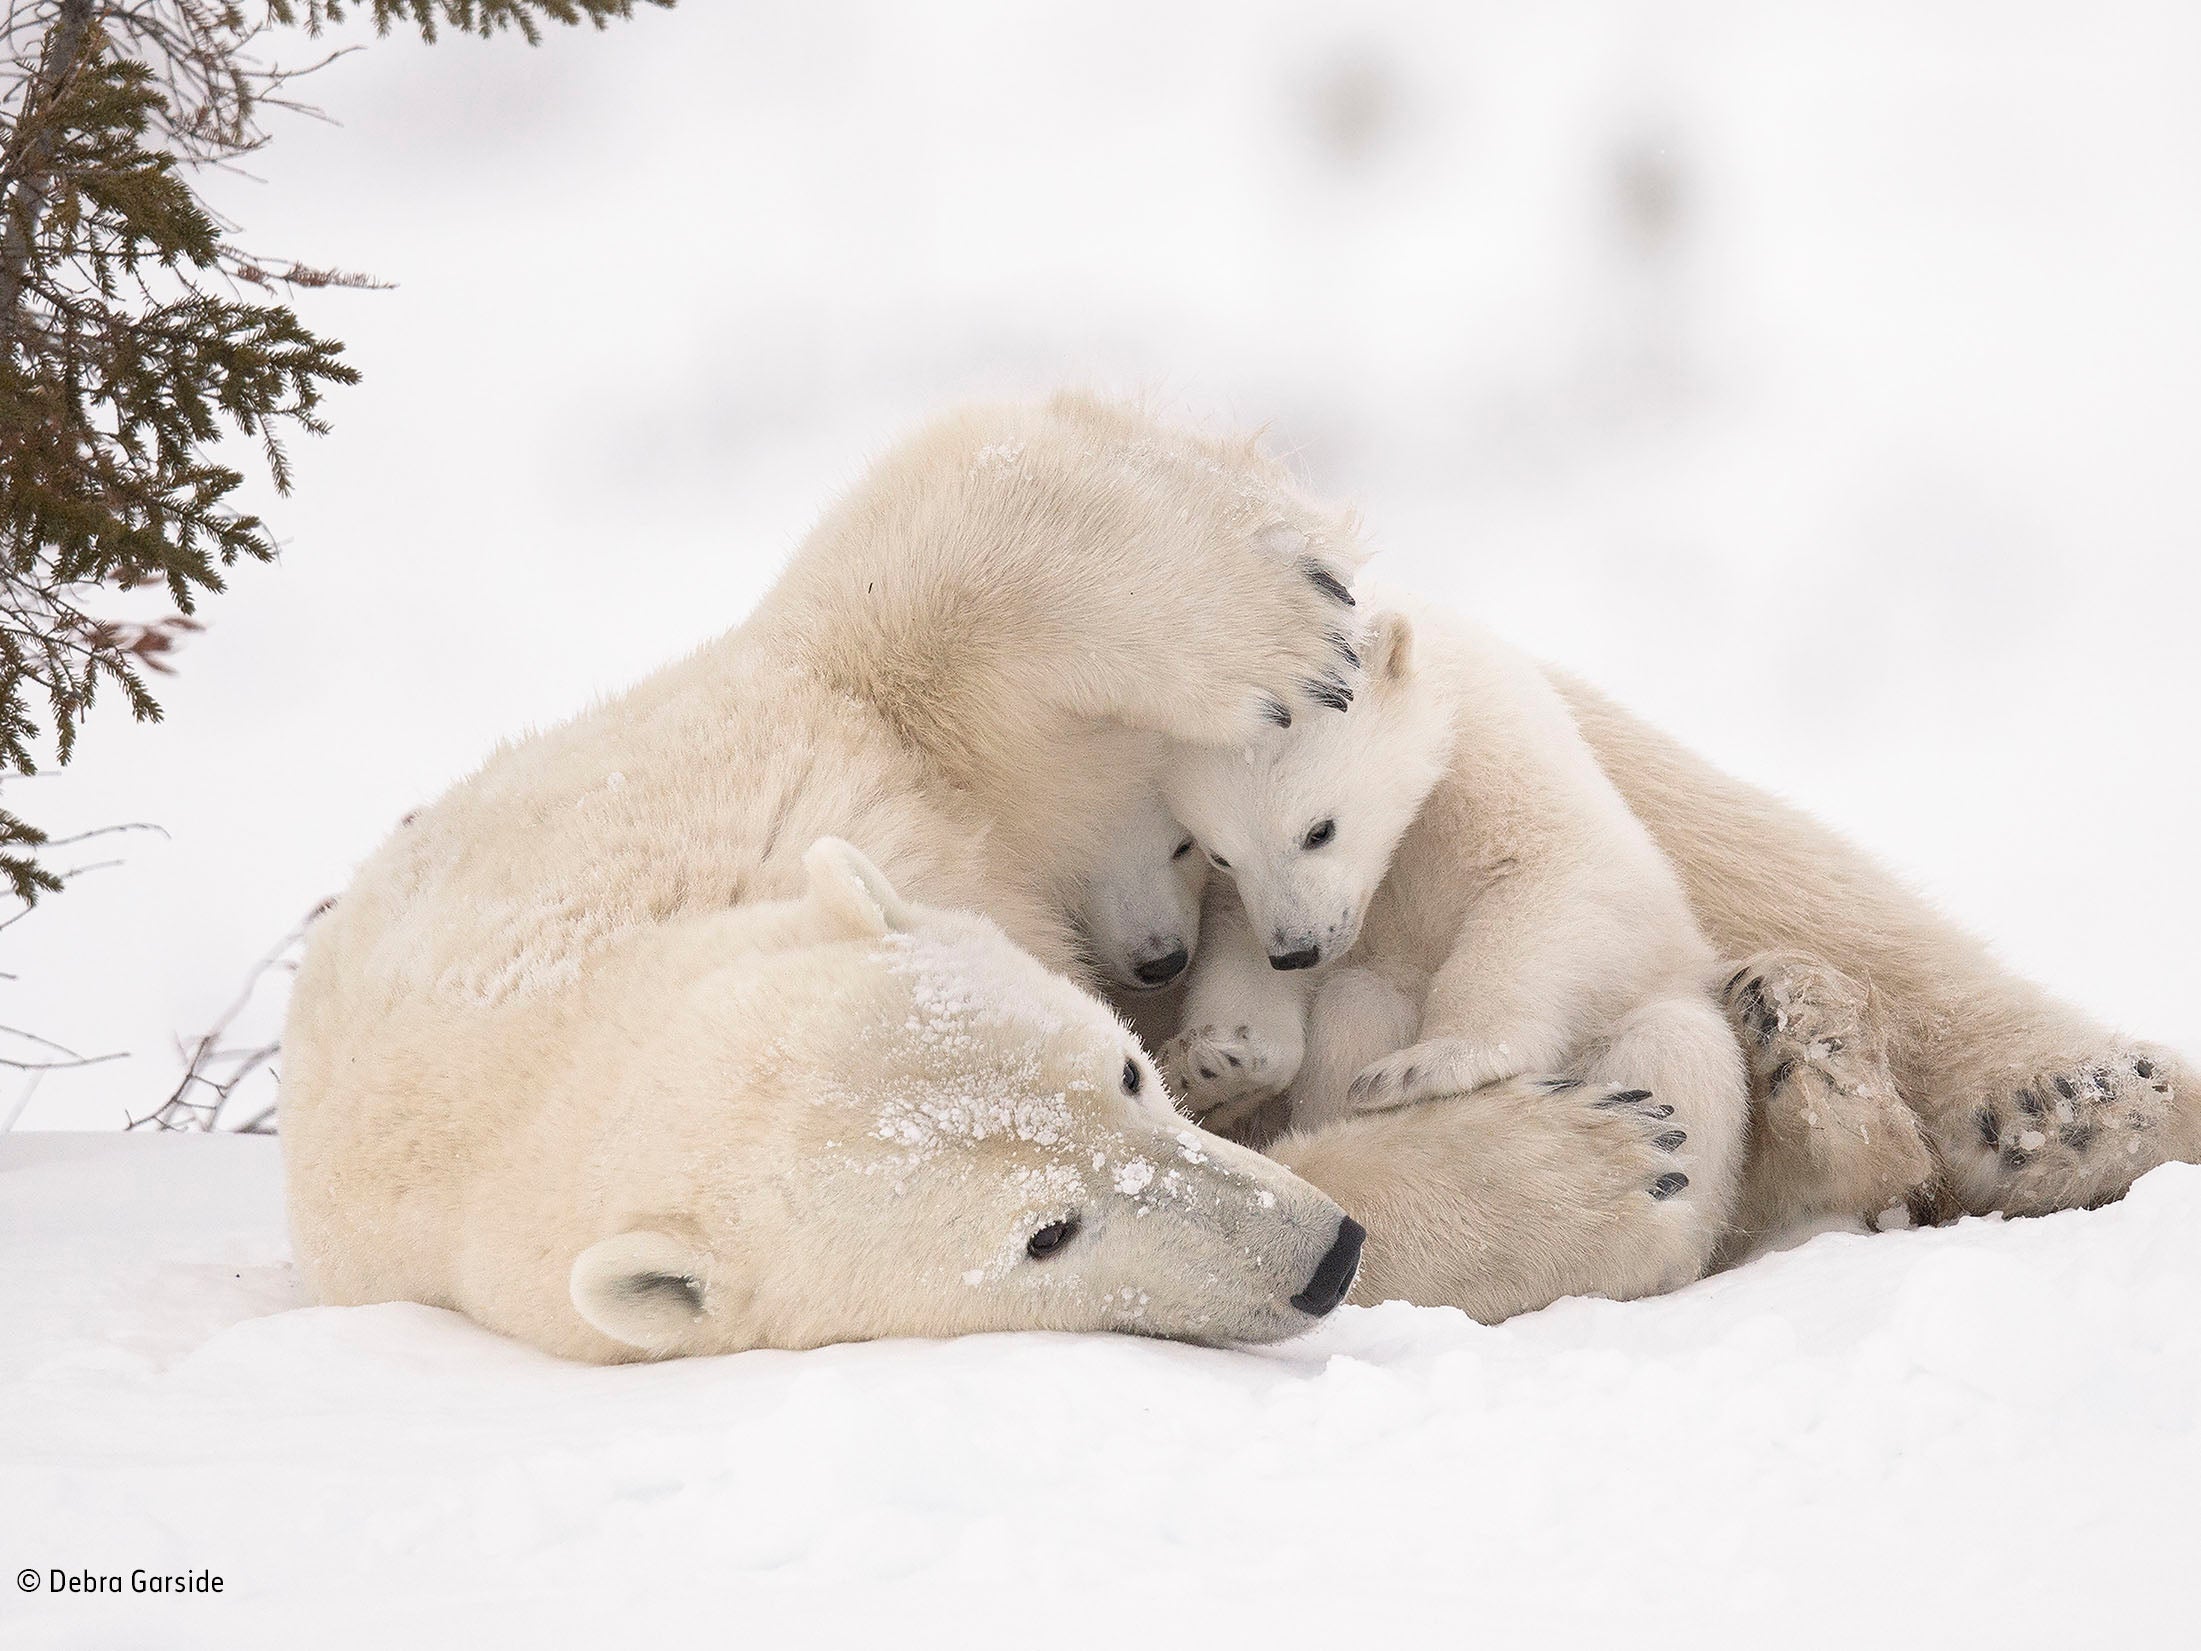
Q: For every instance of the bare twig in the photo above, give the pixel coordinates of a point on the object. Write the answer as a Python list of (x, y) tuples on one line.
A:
[(214, 1070)]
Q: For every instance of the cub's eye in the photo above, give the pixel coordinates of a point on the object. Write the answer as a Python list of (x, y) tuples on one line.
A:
[(1184, 848), (1218, 862), (1319, 833), (1051, 1238), (1132, 1076)]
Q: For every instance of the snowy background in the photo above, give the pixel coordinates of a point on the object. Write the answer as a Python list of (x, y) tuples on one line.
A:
[(1823, 379)]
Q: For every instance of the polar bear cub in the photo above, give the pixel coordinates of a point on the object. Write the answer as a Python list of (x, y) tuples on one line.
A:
[(1138, 910), (1441, 891)]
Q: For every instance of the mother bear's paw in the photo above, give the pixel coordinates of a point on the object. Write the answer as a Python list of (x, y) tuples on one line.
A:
[(1831, 1132), (2075, 1132), (1287, 639)]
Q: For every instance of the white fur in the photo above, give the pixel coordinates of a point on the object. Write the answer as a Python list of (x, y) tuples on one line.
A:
[(606, 992), (1500, 915), (2006, 1098), (1139, 909)]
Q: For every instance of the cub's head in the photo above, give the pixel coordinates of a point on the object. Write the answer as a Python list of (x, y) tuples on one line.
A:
[(888, 1120), (1306, 821), (1140, 913)]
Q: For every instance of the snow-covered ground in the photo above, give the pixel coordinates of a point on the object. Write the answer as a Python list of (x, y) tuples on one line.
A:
[(1979, 1435), (1823, 378)]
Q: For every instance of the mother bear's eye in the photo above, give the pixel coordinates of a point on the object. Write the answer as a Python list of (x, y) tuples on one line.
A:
[(1184, 848), (1132, 1077), (1218, 862), (1319, 833), (1051, 1238)]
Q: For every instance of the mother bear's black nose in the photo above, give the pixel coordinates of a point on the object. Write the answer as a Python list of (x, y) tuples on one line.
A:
[(1160, 971), (1333, 1274)]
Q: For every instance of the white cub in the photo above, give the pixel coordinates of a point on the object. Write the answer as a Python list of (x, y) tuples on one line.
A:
[(1138, 909), (1441, 891)]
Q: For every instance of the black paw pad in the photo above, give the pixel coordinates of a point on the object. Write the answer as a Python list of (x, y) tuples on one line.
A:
[(2145, 1069), (1668, 1184)]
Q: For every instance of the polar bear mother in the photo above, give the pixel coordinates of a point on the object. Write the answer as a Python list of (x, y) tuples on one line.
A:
[(621, 1048)]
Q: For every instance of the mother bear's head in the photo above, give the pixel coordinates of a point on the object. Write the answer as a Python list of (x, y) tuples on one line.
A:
[(875, 1118)]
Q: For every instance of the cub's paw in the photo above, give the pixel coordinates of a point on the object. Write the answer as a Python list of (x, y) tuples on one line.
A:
[(1426, 1071), (2076, 1134), (1223, 1073)]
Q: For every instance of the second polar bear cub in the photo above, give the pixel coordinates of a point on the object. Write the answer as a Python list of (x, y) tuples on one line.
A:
[(1441, 890)]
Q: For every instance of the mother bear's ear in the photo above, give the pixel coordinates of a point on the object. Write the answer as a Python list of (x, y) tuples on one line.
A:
[(642, 1288), (850, 889)]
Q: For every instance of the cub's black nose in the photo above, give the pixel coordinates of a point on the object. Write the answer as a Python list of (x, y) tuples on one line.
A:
[(1333, 1274), (1161, 971), (1305, 958)]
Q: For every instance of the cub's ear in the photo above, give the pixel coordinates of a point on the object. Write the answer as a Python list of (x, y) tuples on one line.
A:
[(850, 888), (1391, 645), (641, 1288)]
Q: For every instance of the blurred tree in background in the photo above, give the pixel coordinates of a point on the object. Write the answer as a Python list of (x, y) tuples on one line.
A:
[(136, 336)]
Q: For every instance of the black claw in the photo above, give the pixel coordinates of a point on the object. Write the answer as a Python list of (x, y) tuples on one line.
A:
[(1669, 1184), (1662, 1110), (1760, 1010), (1990, 1128), (2067, 1089), (1833, 1046), (1343, 645), (1231, 1059), (1780, 1076), (1670, 1141), (1335, 695), (1276, 711), (1407, 1077), (1734, 980), (1327, 583), (2145, 1069), (2078, 1137), (1207, 1072), (2029, 1103)]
